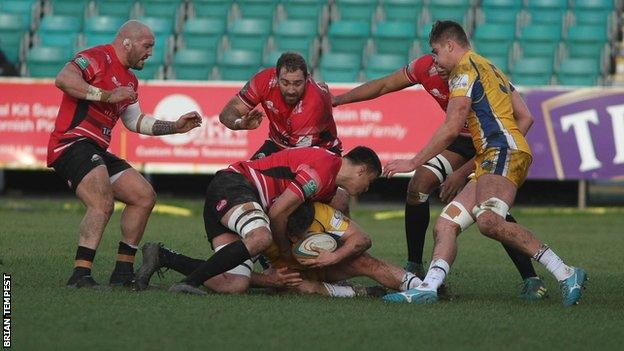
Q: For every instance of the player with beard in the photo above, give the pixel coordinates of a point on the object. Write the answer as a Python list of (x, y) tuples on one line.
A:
[(98, 90)]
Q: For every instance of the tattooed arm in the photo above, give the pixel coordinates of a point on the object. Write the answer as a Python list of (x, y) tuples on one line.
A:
[(139, 122)]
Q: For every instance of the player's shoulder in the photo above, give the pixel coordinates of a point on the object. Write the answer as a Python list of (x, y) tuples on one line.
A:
[(424, 62), (330, 219), (266, 76)]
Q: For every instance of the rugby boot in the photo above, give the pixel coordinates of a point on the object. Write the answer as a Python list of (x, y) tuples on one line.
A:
[(151, 264), (571, 288), (185, 288), (121, 279), (533, 289), (415, 296)]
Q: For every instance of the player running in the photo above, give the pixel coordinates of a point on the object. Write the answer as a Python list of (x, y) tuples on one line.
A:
[(447, 170), (312, 276), (99, 89), (481, 96), (247, 205)]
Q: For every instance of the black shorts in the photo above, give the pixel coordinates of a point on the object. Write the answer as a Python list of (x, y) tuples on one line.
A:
[(463, 146), (83, 156), (226, 190), (271, 147)]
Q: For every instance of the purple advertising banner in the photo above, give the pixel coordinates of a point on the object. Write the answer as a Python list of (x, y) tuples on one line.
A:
[(577, 134)]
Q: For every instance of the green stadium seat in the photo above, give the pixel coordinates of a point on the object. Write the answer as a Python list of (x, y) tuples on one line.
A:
[(502, 4), (501, 62), (540, 40), (239, 64), (303, 9), (24, 8), (211, 9), (500, 15), (457, 14), (403, 10), (257, 8), (193, 64), (74, 8), (203, 33), (158, 8), (504, 33), (340, 67), (532, 71), (586, 41), (546, 16), (575, 71), (101, 29), (492, 48), (394, 37), (356, 10), (149, 71), (59, 31), (593, 17), (249, 33), (45, 61), (348, 36), (115, 8), (160, 26), (12, 30), (379, 65), (603, 5), (295, 35), (548, 4)]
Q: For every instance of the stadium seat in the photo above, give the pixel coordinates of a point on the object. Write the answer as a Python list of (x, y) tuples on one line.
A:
[(546, 16), (149, 71), (27, 9), (394, 37), (295, 35), (456, 10), (46, 61), (540, 40), (115, 8), (403, 10), (12, 30), (303, 9), (502, 33), (340, 67), (212, 9), (379, 65), (501, 62), (356, 10), (101, 29), (158, 8), (264, 9), (586, 41), (203, 33), (59, 31), (348, 36), (532, 71), (499, 16), (161, 27), (593, 17), (73, 8), (502, 4), (604, 5), (573, 71), (492, 48), (239, 64), (249, 33), (548, 4), (193, 64)]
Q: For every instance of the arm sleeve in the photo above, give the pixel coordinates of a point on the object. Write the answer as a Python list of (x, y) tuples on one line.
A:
[(410, 72), (307, 182), (90, 63), (251, 93)]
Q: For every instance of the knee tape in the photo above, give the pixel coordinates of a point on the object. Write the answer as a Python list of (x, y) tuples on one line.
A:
[(457, 213), (248, 217), (243, 269), (440, 166), (493, 204)]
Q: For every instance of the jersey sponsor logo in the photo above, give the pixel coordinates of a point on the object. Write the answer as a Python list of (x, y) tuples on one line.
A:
[(82, 62), (487, 165), (221, 205), (310, 188), (337, 219), (459, 82), (106, 131), (305, 140), (432, 71), (271, 107), (97, 159), (435, 92)]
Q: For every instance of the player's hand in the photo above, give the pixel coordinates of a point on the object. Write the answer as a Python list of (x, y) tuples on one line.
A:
[(188, 121), (251, 120), (324, 259), (120, 94), (453, 184), (399, 166), (283, 277)]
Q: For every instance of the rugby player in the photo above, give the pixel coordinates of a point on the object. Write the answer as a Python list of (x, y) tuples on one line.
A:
[(447, 170), (299, 111), (481, 95), (98, 89), (247, 205), (312, 276)]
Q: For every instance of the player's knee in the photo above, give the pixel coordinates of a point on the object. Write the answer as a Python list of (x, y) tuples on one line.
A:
[(147, 197), (455, 217), (258, 240), (445, 229), (237, 286), (103, 207), (487, 222), (419, 187), (490, 213)]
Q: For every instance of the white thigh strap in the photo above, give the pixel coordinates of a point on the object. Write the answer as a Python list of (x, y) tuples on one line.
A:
[(440, 166), (456, 212)]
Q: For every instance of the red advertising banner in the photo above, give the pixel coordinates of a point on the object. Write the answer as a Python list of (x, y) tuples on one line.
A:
[(396, 125)]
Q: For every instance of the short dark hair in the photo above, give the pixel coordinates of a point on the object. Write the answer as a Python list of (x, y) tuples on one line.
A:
[(362, 155), (292, 61), (301, 219), (443, 30)]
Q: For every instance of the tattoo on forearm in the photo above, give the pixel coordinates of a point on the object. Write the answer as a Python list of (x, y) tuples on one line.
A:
[(163, 128), (231, 114)]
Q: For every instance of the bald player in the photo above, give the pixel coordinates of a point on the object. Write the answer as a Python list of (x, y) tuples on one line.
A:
[(98, 89)]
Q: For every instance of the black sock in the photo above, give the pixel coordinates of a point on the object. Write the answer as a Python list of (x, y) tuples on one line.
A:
[(83, 261), (416, 223), (222, 261), (523, 263), (125, 258), (179, 262)]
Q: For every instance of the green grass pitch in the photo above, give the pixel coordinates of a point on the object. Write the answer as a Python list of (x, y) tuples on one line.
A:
[(38, 240)]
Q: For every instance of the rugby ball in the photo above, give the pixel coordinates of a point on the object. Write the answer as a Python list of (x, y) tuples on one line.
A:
[(309, 246)]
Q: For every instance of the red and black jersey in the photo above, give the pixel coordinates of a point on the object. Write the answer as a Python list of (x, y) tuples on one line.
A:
[(422, 71), (309, 123), (93, 120), (310, 172)]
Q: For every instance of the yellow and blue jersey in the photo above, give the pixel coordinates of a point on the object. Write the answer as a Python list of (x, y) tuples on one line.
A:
[(491, 121)]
